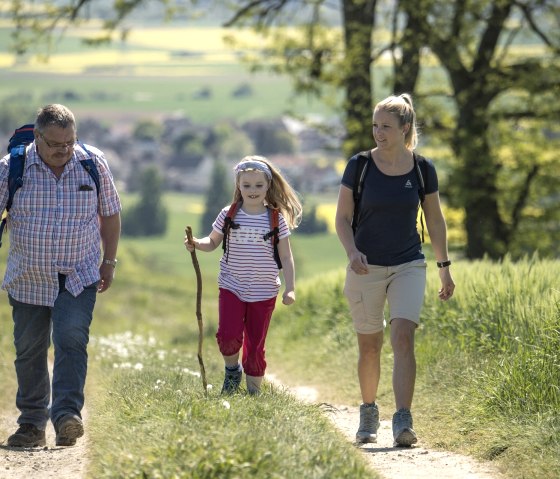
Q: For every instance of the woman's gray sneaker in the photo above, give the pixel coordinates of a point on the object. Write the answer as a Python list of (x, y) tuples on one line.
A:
[(403, 433), (369, 423)]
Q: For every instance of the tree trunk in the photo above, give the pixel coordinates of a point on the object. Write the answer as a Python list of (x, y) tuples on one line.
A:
[(486, 231), (358, 21), (408, 68)]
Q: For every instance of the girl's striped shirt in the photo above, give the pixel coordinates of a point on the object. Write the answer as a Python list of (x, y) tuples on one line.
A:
[(248, 269)]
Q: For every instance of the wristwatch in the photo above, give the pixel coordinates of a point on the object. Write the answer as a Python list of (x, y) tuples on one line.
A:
[(112, 262), (443, 264)]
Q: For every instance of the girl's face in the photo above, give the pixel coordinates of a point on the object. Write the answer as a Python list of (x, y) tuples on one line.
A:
[(253, 186), (386, 129)]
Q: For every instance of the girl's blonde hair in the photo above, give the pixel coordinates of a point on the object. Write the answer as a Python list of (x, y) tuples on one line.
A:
[(280, 195), (401, 106)]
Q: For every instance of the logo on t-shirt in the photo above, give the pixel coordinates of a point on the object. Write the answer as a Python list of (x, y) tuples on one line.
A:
[(408, 184)]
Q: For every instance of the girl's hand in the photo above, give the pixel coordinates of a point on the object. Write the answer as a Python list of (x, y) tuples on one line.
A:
[(289, 297), (190, 246), (447, 284)]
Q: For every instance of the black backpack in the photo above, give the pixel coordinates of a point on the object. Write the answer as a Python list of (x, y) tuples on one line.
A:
[(22, 137), (363, 158)]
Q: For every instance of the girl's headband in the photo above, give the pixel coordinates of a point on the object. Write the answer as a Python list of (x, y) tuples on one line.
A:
[(253, 165)]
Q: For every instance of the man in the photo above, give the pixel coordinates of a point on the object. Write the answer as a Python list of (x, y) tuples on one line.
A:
[(59, 223)]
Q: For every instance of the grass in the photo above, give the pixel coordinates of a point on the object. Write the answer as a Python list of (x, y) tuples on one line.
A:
[(488, 369), (488, 361), (173, 429)]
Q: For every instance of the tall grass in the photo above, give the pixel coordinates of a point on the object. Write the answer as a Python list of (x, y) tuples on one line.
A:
[(509, 314), (488, 360)]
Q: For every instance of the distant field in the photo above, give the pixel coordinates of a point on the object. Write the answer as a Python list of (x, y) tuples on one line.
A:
[(158, 71)]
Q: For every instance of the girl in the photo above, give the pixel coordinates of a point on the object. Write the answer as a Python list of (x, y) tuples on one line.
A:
[(249, 276)]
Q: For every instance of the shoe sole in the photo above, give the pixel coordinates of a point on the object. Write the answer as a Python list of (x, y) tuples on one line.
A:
[(42, 442), (69, 432), (366, 439), (406, 439)]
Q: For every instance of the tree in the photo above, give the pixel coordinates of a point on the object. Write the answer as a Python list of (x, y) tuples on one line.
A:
[(149, 216), (488, 88), (218, 195), (491, 87)]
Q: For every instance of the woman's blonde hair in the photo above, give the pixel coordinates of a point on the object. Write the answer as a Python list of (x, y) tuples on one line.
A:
[(401, 106), (280, 195)]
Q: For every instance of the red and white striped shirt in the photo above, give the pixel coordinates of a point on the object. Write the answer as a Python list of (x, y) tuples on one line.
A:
[(250, 271), (54, 226)]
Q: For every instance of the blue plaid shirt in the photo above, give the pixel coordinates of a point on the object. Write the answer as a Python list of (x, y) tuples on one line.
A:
[(54, 226)]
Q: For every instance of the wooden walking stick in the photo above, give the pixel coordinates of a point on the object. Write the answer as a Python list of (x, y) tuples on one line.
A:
[(196, 266)]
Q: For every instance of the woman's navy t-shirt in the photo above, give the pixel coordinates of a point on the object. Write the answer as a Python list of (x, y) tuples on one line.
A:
[(387, 232)]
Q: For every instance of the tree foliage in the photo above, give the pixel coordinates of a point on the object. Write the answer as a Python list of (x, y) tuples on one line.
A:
[(218, 195), (495, 104), (149, 216)]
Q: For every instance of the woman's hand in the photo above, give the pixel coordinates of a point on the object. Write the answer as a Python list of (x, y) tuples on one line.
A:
[(447, 284), (358, 263)]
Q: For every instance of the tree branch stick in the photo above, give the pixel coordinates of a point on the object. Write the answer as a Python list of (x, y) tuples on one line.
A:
[(196, 266)]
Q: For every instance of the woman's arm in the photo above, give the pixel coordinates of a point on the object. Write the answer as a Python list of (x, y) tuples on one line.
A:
[(437, 228), (343, 223)]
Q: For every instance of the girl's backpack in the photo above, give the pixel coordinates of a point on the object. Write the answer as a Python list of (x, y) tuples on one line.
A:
[(229, 224)]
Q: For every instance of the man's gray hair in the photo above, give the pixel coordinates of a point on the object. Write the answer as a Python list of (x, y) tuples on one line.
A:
[(54, 115)]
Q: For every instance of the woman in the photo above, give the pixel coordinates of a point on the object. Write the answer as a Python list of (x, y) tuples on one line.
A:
[(386, 263)]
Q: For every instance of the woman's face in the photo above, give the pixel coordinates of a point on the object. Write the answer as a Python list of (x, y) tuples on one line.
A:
[(387, 132), (253, 186)]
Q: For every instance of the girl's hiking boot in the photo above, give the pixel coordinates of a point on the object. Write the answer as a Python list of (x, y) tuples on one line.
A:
[(369, 423), (232, 380), (403, 433), (68, 429), (27, 435)]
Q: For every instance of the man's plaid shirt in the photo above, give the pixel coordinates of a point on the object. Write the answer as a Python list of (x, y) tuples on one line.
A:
[(54, 226)]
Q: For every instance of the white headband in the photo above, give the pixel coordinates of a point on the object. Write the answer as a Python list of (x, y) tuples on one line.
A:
[(253, 165)]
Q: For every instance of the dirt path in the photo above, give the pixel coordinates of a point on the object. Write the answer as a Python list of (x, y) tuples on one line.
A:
[(392, 463), (398, 463), (41, 462)]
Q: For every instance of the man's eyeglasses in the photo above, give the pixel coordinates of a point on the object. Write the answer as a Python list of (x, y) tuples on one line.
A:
[(58, 146)]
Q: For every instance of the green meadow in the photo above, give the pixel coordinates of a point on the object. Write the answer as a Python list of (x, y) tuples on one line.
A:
[(158, 71), (488, 361), (488, 368)]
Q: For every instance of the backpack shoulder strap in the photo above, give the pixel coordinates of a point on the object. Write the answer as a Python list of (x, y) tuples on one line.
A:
[(421, 167), (273, 218), (16, 165), (363, 158), (229, 224), (90, 167)]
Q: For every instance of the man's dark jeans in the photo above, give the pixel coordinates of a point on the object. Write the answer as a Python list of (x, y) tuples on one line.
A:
[(69, 321)]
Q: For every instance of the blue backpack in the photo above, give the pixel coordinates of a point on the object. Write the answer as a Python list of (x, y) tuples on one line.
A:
[(16, 148)]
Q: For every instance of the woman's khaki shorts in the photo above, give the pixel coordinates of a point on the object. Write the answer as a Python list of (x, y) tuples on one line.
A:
[(402, 286)]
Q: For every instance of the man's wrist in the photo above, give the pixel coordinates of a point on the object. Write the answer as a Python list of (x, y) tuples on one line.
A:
[(443, 264), (112, 262)]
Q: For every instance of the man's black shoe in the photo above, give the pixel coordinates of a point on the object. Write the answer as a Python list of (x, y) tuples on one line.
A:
[(27, 435)]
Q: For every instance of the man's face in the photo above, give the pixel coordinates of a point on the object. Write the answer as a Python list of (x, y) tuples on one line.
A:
[(55, 145)]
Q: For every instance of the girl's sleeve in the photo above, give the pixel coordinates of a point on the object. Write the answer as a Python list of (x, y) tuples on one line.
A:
[(218, 224), (283, 230)]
